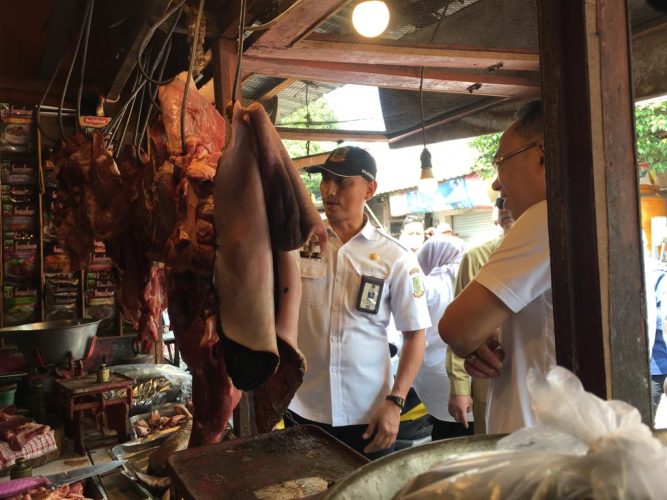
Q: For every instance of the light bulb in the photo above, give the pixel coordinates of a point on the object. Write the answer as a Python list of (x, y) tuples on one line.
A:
[(428, 184), (370, 18)]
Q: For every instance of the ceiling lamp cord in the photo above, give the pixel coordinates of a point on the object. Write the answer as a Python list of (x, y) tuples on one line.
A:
[(427, 182)]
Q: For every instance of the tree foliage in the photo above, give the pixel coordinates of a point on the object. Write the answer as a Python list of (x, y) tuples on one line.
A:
[(650, 128), (317, 115), (486, 147)]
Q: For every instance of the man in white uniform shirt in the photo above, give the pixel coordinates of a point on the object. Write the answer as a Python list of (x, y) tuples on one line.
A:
[(513, 288), (349, 293)]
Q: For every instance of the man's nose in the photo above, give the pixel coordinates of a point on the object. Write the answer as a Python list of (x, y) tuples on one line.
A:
[(496, 185), (327, 187)]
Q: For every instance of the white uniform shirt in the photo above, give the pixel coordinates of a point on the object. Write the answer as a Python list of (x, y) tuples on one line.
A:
[(519, 274), (347, 352), (432, 382)]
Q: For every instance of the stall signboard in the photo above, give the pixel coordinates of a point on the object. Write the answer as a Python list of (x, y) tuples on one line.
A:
[(465, 192)]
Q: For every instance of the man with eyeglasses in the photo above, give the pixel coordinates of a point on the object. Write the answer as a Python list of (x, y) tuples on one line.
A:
[(502, 322)]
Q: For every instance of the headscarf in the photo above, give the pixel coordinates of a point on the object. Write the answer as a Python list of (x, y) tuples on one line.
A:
[(441, 254)]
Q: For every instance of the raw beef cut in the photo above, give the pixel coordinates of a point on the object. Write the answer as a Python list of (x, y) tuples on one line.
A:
[(244, 261)]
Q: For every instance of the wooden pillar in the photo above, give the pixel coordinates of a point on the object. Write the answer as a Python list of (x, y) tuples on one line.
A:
[(592, 191), (224, 64)]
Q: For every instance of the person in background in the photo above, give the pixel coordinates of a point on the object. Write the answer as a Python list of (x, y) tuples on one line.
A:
[(465, 392), (445, 229), (349, 293), (412, 234), (513, 289), (439, 259), (429, 232)]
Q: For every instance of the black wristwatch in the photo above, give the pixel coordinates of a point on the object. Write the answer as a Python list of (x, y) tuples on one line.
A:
[(397, 400)]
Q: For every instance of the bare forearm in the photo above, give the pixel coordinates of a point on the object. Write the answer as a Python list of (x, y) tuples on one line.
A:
[(471, 318), (412, 355)]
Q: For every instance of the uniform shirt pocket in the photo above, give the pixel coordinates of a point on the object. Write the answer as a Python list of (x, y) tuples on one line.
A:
[(313, 281)]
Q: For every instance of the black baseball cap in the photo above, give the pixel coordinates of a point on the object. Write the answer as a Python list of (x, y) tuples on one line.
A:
[(348, 161)]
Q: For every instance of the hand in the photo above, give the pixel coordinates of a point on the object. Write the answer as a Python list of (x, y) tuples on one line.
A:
[(487, 360), (384, 423), (459, 407)]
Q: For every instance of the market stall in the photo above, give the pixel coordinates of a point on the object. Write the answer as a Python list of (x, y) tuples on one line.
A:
[(130, 187)]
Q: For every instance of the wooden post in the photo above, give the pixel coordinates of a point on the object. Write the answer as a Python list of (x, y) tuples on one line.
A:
[(592, 191), (224, 61)]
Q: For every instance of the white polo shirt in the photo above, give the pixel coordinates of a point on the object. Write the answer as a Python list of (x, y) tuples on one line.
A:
[(519, 274), (348, 367)]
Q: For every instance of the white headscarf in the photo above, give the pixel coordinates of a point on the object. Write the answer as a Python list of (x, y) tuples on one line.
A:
[(441, 255)]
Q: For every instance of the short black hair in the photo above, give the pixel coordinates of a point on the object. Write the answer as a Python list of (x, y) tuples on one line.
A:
[(529, 120)]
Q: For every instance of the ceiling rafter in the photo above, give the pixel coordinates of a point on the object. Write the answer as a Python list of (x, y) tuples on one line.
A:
[(396, 77), (389, 52)]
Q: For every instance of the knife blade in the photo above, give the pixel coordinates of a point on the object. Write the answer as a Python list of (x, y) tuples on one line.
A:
[(16, 486)]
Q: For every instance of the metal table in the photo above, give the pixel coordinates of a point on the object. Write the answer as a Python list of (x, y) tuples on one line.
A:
[(249, 468)]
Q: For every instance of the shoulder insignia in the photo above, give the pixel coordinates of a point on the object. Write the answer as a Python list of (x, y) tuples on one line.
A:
[(417, 283)]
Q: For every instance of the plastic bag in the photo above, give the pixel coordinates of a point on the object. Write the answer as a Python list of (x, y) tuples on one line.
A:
[(156, 385), (582, 447)]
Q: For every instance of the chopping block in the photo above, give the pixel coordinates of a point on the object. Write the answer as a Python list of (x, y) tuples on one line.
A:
[(108, 402)]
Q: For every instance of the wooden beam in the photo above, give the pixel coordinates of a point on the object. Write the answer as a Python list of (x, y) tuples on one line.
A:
[(154, 8), (286, 83), (224, 66), (299, 23), (396, 77), (310, 161), (326, 135), (592, 191), (401, 53)]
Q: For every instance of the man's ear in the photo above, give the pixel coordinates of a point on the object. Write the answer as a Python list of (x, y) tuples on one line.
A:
[(370, 189)]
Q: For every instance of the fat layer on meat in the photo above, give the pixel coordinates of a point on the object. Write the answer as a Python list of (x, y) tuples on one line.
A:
[(243, 260)]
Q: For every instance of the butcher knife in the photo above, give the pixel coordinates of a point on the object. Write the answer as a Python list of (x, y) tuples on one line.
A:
[(17, 486)]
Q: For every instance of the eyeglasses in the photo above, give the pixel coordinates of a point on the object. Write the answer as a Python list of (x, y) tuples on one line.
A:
[(501, 159)]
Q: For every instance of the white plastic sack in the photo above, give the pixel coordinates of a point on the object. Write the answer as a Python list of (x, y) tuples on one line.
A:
[(582, 447)]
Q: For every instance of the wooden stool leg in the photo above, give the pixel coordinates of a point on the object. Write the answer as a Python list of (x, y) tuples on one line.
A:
[(118, 420), (78, 432)]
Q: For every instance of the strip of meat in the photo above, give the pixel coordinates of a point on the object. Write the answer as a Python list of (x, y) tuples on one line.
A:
[(292, 215), (191, 316), (243, 261), (204, 127), (273, 397)]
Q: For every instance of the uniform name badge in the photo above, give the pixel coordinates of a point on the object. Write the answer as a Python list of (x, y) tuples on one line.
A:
[(370, 293)]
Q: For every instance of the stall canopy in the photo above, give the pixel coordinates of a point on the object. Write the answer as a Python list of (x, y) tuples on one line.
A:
[(479, 58)]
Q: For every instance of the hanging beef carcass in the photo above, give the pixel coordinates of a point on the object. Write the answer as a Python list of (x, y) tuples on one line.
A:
[(259, 214)]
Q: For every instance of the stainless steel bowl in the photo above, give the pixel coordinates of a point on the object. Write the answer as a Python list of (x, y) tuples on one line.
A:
[(52, 339), (383, 478)]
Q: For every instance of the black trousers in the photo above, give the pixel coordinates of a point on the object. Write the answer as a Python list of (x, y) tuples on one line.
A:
[(348, 434), (446, 430)]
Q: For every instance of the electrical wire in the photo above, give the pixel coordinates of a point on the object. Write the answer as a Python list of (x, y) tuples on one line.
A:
[(69, 74), (273, 21), (152, 94), (239, 53), (89, 21), (193, 53), (38, 110), (149, 35)]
